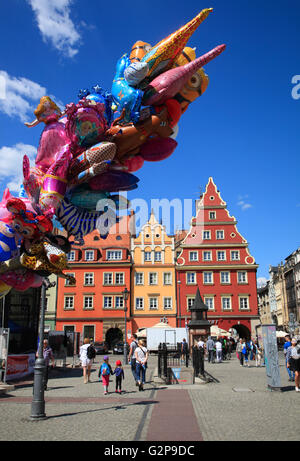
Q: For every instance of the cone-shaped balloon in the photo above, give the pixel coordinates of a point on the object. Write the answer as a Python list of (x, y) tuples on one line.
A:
[(168, 84), (162, 56)]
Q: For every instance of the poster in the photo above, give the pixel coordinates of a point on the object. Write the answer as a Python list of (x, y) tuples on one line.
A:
[(271, 356)]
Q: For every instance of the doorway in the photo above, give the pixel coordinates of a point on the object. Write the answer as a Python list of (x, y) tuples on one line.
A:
[(113, 336)]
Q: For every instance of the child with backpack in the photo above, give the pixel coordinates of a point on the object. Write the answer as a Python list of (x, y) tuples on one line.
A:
[(119, 373), (104, 373)]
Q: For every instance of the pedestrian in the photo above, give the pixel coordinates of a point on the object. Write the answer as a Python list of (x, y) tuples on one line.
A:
[(105, 372), (245, 352), (119, 374), (288, 344), (229, 349), (293, 361), (258, 353), (48, 355), (210, 349), (131, 357), (141, 356), (184, 352), (219, 350), (239, 351), (200, 343), (86, 362)]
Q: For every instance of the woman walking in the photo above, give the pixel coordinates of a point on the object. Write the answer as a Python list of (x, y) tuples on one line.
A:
[(141, 355), (86, 363), (239, 349), (293, 361)]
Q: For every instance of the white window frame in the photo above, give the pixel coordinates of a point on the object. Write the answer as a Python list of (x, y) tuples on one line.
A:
[(89, 281), (167, 278), (89, 255), (111, 277), (122, 274), (151, 299), (222, 303), (113, 255), (111, 302), (67, 282), (242, 282), (139, 303), (141, 275), (88, 306), (242, 297), (168, 302), (238, 255), (223, 234), (204, 232), (212, 300), (204, 252), (189, 274), (146, 260), (214, 214), (211, 274), (192, 254), (218, 255), (189, 302), (121, 302), (228, 281), (71, 255), (155, 282), (157, 256), (69, 307)]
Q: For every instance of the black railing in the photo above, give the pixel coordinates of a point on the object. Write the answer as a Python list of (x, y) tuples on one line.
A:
[(169, 356)]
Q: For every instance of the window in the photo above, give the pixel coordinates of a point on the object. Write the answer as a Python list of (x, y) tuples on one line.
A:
[(191, 278), (167, 278), (244, 303), (235, 255), (209, 301), (89, 255), (114, 255), (242, 277), (212, 215), (167, 303), (206, 235), (153, 278), (225, 277), (119, 302), (107, 302), (226, 303), (221, 255), (208, 277), (157, 256), (107, 278), (219, 234), (71, 256), (153, 303), (89, 278), (119, 278), (88, 302), (147, 256), (68, 282), (139, 278), (193, 255), (190, 302), (69, 302), (206, 255), (139, 303)]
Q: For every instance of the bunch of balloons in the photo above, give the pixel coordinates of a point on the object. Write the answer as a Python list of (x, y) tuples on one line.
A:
[(91, 150)]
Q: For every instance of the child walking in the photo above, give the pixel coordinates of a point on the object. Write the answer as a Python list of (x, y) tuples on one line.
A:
[(119, 373), (104, 372)]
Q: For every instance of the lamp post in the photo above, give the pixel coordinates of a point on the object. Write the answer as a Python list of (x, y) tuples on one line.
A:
[(38, 401), (125, 294), (179, 304)]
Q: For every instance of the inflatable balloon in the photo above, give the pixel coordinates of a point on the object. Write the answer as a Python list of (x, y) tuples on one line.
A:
[(8, 242)]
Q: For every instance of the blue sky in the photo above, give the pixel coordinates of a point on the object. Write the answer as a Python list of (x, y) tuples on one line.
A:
[(244, 131)]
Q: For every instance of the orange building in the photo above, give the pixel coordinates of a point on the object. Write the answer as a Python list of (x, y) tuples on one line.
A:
[(94, 305)]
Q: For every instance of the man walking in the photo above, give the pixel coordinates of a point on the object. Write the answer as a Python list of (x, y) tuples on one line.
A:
[(131, 357), (288, 344), (210, 349), (48, 355), (219, 351)]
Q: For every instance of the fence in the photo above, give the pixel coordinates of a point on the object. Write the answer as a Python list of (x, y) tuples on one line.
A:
[(198, 361), (169, 357)]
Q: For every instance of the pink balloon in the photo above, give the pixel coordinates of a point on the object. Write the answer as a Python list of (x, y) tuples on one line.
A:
[(21, 279), (158, 149), (53, 138), (134, 163)]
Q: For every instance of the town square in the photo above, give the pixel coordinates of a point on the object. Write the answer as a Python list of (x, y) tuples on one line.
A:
[(149, 243)]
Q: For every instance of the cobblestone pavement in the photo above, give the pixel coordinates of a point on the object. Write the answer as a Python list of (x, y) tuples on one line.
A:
[(238, 407)]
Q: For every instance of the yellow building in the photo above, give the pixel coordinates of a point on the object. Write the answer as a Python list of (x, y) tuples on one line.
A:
[(153, 278)]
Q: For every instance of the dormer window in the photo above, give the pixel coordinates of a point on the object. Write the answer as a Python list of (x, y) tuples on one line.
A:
[(89, 255)]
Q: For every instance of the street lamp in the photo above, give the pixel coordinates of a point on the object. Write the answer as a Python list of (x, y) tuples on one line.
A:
[(179, 303), (38, 401), (125, 294)]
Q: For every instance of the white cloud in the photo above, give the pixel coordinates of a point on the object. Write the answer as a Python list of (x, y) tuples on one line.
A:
[(11, 161), (242, 203), (261, 282), (55, 24)]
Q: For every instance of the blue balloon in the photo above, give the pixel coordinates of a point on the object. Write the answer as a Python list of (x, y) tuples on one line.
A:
[(8, 245)]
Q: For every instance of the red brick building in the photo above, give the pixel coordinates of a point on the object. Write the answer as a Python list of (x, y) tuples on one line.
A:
[(94, 305), (215, 257)]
